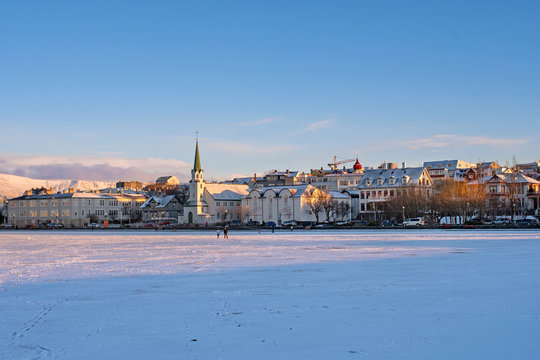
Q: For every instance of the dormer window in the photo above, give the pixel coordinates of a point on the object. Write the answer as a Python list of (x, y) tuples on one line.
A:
[(392, 180), (380, 181), (368, 182), (404, 180)]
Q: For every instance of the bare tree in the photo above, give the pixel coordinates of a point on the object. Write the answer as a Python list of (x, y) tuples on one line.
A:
[(329, 206), (315, 203), (343, 210)]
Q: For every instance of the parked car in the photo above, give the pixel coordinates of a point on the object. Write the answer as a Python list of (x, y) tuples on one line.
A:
[(527, 222), (389, 223), (94, 225), (501, 221), (414, 222), (235, 222), (289, 223), (359, 223), (270, 223), (343, 223)]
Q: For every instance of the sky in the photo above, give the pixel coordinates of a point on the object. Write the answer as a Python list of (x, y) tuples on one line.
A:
[(115, 90)]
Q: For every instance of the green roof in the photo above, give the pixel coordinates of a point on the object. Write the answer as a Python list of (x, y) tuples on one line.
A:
[(197, 163)]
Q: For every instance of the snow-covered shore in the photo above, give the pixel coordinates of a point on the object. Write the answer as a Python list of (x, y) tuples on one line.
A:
[(301, 295)]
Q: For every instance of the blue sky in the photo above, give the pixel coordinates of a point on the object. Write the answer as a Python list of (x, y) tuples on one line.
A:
[(123, 85)]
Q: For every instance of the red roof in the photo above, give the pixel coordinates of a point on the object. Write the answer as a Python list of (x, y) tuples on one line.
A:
[(357, 165)]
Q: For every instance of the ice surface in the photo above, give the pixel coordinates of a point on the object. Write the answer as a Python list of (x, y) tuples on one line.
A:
[(393, 294)]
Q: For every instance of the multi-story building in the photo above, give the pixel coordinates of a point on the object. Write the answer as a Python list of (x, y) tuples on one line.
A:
[(512, 194), (448, 169), (129, 185), (336, 180), (73, 209), (380, 185), (161, 209)]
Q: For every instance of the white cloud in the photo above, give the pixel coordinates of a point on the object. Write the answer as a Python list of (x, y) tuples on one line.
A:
[(247, 149), (258, 122), (456, 141), (319, 125), (104, 168)]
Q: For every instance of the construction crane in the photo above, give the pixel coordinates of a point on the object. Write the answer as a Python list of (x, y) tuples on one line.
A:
[(334, 165)]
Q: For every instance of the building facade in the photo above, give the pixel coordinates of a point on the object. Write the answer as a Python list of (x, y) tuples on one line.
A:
[(73, 209), (381, 185)]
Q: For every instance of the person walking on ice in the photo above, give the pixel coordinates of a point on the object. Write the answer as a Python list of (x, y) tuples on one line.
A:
[(225, 233), (217, 232)]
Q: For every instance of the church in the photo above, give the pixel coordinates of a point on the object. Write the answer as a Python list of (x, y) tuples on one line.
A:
[(211, 203)]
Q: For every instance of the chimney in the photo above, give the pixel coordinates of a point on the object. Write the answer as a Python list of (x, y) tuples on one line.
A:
[(403, 165)]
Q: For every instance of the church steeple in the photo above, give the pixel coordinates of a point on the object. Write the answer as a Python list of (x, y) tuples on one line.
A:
[(197, 172), (197, 163)]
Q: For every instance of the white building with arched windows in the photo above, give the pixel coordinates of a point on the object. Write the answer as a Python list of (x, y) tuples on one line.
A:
[(280, 204)]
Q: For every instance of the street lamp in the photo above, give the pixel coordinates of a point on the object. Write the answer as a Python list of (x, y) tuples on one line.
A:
[(467, 213), (403, 212)]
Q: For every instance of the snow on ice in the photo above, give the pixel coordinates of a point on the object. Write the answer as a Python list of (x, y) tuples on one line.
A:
[(386, 294)]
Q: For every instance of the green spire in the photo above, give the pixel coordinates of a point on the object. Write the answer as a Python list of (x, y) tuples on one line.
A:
[(197, 163)]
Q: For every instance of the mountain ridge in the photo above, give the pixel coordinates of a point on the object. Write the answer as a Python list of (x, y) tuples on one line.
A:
[(13, 185)]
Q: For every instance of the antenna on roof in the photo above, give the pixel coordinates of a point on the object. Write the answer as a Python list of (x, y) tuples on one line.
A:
[(197, 135)]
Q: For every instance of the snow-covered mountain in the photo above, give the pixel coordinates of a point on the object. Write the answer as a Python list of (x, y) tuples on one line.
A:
[(12, 186)]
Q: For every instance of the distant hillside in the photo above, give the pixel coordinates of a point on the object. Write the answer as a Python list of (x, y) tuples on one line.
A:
[(12, 186)]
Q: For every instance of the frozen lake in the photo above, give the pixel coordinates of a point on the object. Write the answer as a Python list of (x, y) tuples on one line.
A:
[(384, 294)]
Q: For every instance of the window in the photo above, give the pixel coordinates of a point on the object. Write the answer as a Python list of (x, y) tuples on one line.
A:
[(362, 195), (54, 213), (218, 203), (385, 192), (33, 213), (54, 203), (22, 213), (43, 213), (82, 212), (391, 192), (33, 203), (22, 204), (65, 202), (231, 203), (101, 203), (113, 202), (44, 203), (66, 213), (379, 181), (75, 213), (368, 182), (238, 204), (75, 202), (380, 193)]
